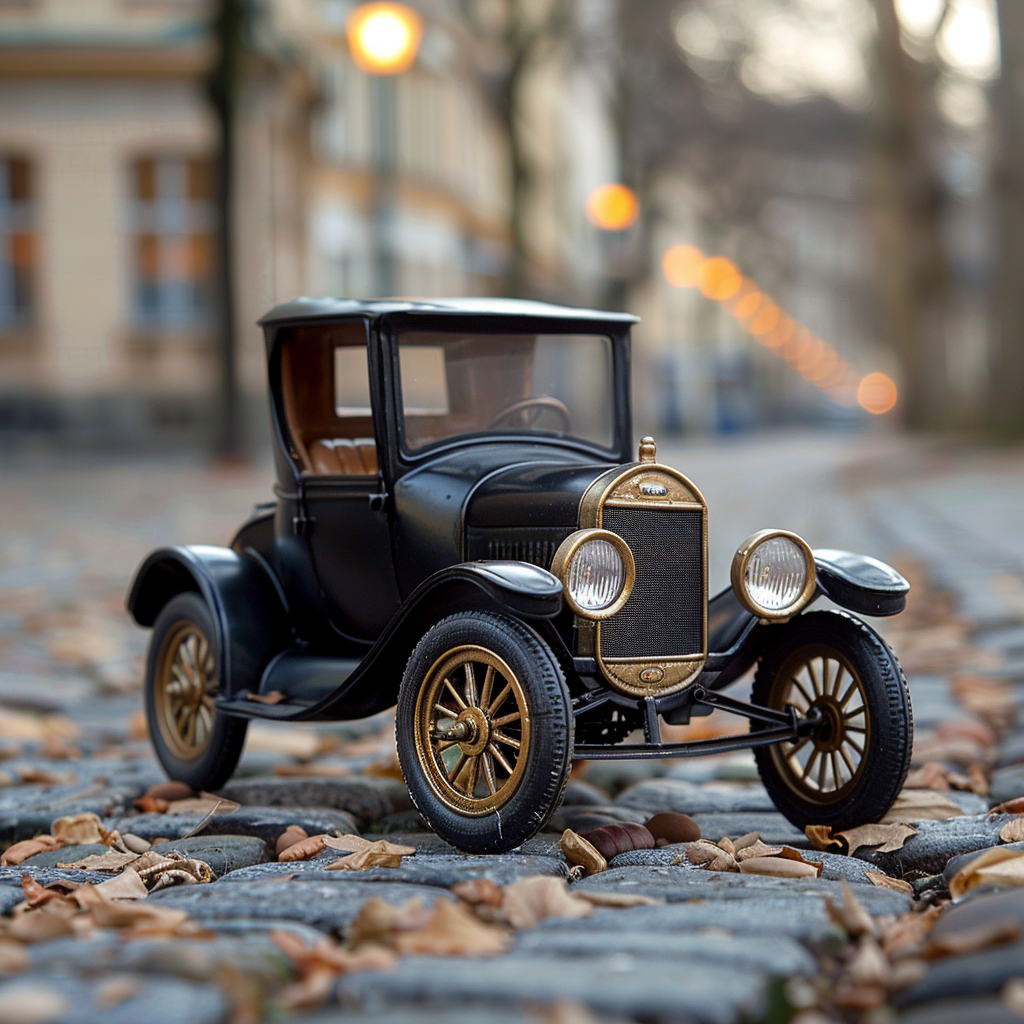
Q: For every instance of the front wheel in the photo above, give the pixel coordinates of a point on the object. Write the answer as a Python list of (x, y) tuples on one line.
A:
[(852, 769), (484, 731), (193, 741)]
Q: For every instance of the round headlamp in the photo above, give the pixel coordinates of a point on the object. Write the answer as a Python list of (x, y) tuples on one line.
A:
[(597, 571), (773, 574)]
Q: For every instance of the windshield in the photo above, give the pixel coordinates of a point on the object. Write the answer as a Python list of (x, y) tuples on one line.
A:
[(547, 384)]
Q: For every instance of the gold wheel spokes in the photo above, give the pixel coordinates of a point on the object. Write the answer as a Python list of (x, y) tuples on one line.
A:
[(472, 730), (184, 690), (822, 768)]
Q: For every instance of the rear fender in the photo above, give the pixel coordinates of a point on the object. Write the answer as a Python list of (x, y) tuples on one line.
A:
[(243, 598)]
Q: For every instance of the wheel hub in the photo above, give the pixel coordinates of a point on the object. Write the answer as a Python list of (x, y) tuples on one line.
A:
[(830, 732)]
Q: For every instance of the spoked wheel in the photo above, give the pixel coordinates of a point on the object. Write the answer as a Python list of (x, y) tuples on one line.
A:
[(849, 771), (484, 731), (193, 742)]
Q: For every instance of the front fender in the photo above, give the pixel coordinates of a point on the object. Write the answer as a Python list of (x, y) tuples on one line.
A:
[(860, 583), (244, 601)]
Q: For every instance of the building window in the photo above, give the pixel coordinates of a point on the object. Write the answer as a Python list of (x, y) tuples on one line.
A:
[(173, 242), (17, 244)]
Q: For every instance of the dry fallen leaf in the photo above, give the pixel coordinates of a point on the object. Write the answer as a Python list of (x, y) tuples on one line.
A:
[(112, 860), (33, 1004), (746, 841), (905, 936), (19, 852), (380, 854), (79, 829), (779, 867), (125, 886), (711, 855), (377, 921), (356, 844), (974, 940), (820, 837), (304, 849), (1012, 831), (887, 882), (921, 805), (117, 989), (479, 892), (1014, 806), (529, 901), (453, 930), (579, 851), (887, 837), (931, 775), (43, 776), (14, 957), (619, 900), (205, 803), (152, 804), (869, 966), (757, 849), (998, 866), (850, 914)]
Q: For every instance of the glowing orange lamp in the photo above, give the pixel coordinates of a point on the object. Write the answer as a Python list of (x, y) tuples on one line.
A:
[(384, 37), (612, 207)]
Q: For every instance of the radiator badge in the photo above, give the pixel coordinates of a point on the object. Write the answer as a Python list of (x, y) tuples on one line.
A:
[(651, 490), (653, 674)]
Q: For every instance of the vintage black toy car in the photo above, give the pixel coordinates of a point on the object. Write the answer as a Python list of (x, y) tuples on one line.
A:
[(460, 529)]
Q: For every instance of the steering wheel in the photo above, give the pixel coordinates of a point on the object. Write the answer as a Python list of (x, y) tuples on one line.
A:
[(529, 412)]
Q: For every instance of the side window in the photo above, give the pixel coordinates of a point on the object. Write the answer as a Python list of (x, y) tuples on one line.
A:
[(325, 383)]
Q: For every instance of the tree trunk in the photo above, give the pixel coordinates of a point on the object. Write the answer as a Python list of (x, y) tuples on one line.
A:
[(907, 206), (225, 78), (1006, 406)]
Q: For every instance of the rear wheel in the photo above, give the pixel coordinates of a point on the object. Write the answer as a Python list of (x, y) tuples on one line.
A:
[(194, 743), (484, 731), (852, 769)]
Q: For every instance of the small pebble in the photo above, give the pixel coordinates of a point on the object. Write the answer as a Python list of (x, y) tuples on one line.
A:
[(135, 843)]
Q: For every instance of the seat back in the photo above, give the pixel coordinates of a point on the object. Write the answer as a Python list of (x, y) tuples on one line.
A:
[(343, 456)]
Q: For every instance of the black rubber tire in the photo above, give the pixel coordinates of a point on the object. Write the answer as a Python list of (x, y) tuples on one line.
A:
[(887, 700), (218, 760), (549, 757)]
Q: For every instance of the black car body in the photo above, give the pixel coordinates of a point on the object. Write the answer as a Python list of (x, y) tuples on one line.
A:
[(440, 459)]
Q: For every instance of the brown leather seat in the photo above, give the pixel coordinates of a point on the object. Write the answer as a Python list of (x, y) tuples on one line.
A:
[(344, 456)]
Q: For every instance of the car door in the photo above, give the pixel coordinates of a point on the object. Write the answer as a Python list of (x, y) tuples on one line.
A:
[(325, 381)]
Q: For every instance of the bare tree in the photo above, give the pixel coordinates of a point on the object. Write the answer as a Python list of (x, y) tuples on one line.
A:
[(1006, 410)]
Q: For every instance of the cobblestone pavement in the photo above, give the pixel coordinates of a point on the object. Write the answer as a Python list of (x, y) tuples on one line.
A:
[(659, 936)]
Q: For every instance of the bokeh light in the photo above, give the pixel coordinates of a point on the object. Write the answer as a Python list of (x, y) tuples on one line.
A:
[(719, 278), (876, 393), (681, 265), (765, 320), (384, 37), (612, 207)]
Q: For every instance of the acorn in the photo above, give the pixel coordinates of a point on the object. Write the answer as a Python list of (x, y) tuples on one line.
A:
[(612, 839), (671, 827)]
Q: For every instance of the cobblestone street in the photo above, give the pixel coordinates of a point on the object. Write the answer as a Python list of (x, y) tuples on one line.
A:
[(661, 935)]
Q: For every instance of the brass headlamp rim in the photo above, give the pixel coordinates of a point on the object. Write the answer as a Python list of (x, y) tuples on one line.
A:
[(739, 565), (563, 558)]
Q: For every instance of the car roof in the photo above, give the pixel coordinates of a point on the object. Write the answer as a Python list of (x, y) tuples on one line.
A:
[(309, 308)]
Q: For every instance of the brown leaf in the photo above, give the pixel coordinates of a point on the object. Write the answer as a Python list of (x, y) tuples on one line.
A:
[(289, 837), (850, 914), (779, 867), (356, 844), (887, 837), (757, 849), (112, 860), (725, 843), (78, 829), (479, 892), (887, 882), (820, 837), (205, 803), (386, 769), (869, 966), (1014, 806), (453, 930), (274, 697), (931, 775), (998, 866), (35, 894), (141, 919), (747, 840), (33, 1004), (304, 849), (712, 856), (14, 957), (579, 851), (529, 901), (905, 936), (151, 804), (377, 921), (619, 900), (19, 852), (974, 940), (381, 854), (1012, 831), (117, 989), (43, 776), (921, 805)]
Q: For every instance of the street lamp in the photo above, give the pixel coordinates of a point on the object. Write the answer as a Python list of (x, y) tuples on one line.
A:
[(384, 38)]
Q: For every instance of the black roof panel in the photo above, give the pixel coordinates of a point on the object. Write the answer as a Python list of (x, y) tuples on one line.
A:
[(319, 308)]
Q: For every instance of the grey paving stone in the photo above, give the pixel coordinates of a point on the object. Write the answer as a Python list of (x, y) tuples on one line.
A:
[(679, 883), (735, 767), (439, 869), (10, 897), (668, 990), (774, 827), (782, 958), (981, 908), (224, 854), (1007, 784), (45, 692), (366, 799), (655, 795), (615, 776), (936, 842), (581, 792), (587, 817), (933, 702), (65, 855), (421, 1015), (978, 974), (48, 875), (969, 803), (266, 823), (1011, 750), (399, 821), (328, 906), (427, 844), (158, 1001)]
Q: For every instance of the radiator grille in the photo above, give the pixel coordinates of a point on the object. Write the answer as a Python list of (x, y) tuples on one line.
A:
[(664, 616)]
